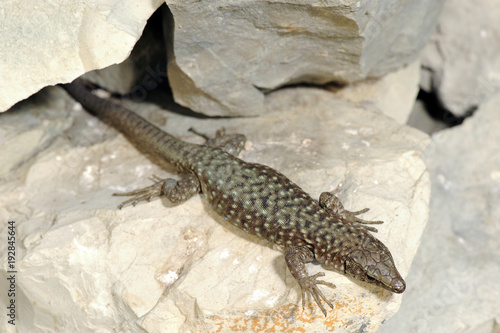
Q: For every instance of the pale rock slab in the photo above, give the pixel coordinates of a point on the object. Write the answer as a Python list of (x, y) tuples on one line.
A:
[(461, 64), (393, 94), (46, 43), (227, 54), (453, 282), (84, 265)]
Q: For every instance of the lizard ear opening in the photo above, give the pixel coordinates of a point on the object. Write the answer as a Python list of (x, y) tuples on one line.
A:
[(349, 267)]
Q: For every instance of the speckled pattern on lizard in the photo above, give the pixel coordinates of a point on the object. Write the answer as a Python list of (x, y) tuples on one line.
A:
[(257, 199)]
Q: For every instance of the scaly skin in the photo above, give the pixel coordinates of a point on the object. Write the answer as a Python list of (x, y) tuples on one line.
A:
[(257, 199)]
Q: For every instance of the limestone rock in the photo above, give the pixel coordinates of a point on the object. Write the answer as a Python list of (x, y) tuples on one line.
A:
[(54, 42), (393, 95), (84, 265), (223, 55), (461, 64), (227, 54), (453, 283)]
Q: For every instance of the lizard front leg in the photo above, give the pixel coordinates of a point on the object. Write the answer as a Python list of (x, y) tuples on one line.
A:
[(175, 190), (332, 204), (230, 143), (296, 258)]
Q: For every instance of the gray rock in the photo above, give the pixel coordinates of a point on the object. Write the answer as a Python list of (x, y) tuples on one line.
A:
[(393, 95), (224, 55), (461, 64), (227, 54), (53, 43), (453, 283), (84, 265)]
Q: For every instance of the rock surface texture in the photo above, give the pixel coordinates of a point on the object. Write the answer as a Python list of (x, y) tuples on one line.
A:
[(84, 265), (461, 64), (52, 42), (226, 54), (453, 281), (223, 55)]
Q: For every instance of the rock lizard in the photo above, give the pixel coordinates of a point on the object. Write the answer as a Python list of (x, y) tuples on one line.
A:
[(257, 199)]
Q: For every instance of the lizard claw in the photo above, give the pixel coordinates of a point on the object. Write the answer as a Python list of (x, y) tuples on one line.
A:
[(175, 190), (309, 284), (144, 194), (336, 209), (351, 217)]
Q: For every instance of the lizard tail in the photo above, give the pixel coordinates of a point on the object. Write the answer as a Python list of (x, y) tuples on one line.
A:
[(137, 129)]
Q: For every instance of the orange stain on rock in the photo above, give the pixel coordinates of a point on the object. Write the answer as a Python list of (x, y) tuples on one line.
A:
[(291, 318)]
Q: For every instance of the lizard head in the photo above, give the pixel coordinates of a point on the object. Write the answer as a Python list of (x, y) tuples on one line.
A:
[(373, 263)]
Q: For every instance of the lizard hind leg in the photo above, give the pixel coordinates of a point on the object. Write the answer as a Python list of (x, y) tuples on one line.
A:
[(296, 257), (175, 190), (334, 206), (230, 143)]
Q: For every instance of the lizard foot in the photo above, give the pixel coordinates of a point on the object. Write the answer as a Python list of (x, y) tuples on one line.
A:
[(296, 257), (175, 190), (146, 193), (333, 205), (309, 284), (230, 143)]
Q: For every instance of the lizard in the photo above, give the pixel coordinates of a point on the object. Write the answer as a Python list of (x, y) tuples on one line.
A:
[(256, 198)]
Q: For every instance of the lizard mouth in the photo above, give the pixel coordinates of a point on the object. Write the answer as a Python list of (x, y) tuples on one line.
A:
[(396, 285)]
